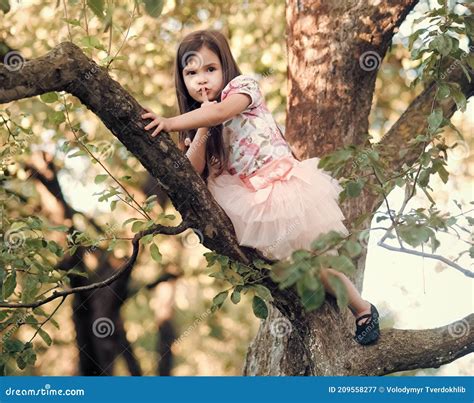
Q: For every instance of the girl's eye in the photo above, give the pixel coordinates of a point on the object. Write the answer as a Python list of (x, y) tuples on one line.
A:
[(191, 71)]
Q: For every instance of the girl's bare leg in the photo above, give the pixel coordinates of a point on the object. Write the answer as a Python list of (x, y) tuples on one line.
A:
[(358, 305)]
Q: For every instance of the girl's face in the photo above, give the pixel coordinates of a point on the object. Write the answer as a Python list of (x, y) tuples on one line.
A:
[(203, 72)]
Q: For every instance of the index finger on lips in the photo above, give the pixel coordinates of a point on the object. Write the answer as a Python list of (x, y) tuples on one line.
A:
[(204, 94)]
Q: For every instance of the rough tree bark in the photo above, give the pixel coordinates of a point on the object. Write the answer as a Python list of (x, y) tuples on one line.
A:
[(320, 343)]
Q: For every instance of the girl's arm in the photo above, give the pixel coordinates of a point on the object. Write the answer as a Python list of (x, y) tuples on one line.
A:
[(210, 115), (197, 150)]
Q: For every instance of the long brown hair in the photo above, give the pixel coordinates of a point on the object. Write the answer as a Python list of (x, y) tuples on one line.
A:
[(216, 153)]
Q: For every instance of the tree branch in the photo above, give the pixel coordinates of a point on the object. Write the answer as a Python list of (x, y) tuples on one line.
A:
[(403, 350), (414, 121), (66, 68), (448, 262), (157, 229)]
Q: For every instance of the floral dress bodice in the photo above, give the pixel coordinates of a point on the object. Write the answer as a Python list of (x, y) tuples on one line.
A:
[(252, 137)]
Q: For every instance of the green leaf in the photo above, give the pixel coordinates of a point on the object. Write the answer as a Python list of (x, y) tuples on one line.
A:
[(292, 278), (211, 258), (353, 248), (49, 97), (458, 97), (145, 240), (12, 346), (153, 7), (341, 263), (353, 188), (313, 299), (435, 119), (443, 91), (9, 285), (339, 289), (77, 154), (97, 7), (45, 336), (219, 299), (5, 6), (100, 178), (442, 172), (260, 264), (155, 253), (71, 21), (92, 42), (57, 117), (442, 43), (29, 283), (263, 292), (414, 235), (259, 307), (137, 226), (235, 296)]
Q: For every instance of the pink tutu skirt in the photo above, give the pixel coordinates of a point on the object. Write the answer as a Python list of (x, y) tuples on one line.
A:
[(282, 207)]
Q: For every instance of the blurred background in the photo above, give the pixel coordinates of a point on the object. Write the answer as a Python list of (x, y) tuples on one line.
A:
[(162, 313)]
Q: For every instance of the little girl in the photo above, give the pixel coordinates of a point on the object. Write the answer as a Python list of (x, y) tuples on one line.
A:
[(276, 202)]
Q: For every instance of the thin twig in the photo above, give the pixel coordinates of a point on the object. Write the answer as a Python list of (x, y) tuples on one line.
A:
[(156, 229), (428, 255)]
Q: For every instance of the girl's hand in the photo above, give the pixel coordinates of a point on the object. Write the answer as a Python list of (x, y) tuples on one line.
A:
[(206, 101), (162, 123)]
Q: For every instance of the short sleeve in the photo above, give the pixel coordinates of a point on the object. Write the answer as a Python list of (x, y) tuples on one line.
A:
[(244, 85)]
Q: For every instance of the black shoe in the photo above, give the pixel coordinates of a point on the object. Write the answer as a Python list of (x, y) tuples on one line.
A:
[(369, 331)]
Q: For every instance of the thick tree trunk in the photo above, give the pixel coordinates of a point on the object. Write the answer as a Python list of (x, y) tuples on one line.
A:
[(334, 52)]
